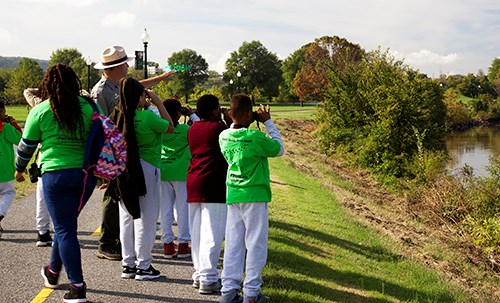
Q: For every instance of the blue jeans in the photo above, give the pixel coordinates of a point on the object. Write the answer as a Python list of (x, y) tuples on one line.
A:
[(66, 193)]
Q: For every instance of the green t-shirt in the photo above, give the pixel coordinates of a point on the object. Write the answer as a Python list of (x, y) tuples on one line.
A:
[(148, 129), (246, 152), (175, 154), (9, 136), (59, 149)]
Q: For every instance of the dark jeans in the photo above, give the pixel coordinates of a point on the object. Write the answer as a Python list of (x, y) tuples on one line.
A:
[(63, 190), (110, 226)]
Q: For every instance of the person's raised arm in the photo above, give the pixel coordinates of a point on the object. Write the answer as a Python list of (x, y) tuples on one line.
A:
[(161, 108), (166, 76), (272, 130)]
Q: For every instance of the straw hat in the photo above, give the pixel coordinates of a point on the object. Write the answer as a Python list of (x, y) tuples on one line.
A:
[(113, 56)]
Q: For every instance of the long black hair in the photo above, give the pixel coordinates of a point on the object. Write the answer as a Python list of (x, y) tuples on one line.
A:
[(62, 87), (130, 185), (131, 91)]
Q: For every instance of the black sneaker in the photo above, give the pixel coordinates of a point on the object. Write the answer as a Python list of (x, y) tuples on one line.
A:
[(1, 229), (196, 284), (128, 272), (147, 274), (231, 296), (76, 294), (50, 279), (210, 288), (44, 240)]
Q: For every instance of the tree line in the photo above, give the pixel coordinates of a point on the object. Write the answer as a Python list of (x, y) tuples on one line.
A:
[(252, 69)]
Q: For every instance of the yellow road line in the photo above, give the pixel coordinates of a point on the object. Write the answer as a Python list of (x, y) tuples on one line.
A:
[(42, 295), (97, 232), (45, 293)]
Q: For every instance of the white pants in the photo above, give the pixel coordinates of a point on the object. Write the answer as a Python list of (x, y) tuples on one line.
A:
[(174, 194), (208, 224), (246, 231), (7, 195), (42, 214), (137, 237)]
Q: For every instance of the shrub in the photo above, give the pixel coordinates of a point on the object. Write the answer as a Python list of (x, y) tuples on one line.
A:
[(457, 113), (386, 101)]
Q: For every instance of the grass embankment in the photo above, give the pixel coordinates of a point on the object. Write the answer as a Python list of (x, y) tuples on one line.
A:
[(320, 253)]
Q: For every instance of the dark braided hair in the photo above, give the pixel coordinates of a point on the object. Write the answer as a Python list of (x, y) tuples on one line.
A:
[(131, 91), (62, 87)]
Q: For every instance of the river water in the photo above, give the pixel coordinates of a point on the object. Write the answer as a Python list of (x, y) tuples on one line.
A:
[(473, 147)]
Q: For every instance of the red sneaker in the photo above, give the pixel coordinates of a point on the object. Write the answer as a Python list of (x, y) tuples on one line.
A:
[(184, 251), (169, 250)]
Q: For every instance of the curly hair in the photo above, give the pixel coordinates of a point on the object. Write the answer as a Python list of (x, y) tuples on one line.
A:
[(62, 87)]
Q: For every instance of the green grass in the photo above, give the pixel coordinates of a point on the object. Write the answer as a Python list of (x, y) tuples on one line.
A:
[(19, 112), (319, 253)]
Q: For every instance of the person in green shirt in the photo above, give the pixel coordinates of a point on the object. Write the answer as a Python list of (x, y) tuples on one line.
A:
[(61, 124), (175, 157), (248, 192), (10, 135), (138, 188)]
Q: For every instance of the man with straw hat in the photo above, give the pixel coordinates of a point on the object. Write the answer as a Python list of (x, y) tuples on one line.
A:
[(114, 62)]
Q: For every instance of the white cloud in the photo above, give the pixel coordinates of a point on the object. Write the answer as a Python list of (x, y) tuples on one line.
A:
[(119, 20), (79, 3), (424, 57), (220, 65), (6, 37)]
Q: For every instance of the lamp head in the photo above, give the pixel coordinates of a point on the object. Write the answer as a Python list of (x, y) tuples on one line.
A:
[(145, 37)]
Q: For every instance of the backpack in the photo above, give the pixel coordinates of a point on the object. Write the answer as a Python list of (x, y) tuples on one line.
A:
[(105, 149)]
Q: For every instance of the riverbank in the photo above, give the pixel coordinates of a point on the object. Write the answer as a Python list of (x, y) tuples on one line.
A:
[(475, 123), (424, 239)]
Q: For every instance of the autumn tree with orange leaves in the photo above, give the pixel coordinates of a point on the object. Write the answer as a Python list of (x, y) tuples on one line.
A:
[(326, 52)]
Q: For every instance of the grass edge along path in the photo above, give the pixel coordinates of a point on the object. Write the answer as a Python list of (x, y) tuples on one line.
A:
[(320, 253)]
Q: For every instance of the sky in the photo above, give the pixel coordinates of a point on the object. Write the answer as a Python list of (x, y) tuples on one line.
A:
[(434, 37)]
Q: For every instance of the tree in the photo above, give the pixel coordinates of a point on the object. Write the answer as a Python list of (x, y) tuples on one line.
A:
[(27, 74), (493, 70), (290, 67), (494, 76), (259, 68), (194, 71), (73, 58), (470, 85), (457, 113), (5, 75), (320, 56), (380, 109)]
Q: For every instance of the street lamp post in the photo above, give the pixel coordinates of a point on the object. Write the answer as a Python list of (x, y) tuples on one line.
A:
[(145, 40), (89, 62), (231, 87), (238, 74)]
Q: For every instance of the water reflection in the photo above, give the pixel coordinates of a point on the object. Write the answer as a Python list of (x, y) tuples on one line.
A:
[(473, 147)]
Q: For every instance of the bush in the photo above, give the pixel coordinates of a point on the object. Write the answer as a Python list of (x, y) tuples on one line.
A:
[(457, 113), (471, 204), (386, 101)]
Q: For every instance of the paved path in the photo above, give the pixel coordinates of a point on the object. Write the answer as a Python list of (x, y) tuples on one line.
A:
[(21, 261)]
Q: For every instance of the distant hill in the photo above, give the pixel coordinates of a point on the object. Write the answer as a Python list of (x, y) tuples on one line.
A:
[(13, 62)]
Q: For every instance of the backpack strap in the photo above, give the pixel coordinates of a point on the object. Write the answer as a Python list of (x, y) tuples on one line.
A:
[(95, 139)]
